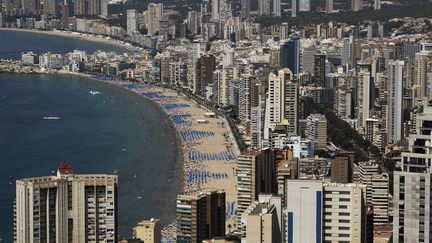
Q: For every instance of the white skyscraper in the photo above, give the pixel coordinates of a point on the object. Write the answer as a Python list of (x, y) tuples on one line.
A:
[(422, 75), (316, 130), (394, 101), (377, 4), (356, 5), (264, 7), (380, 198), (104, 8), (364, 98), (329, 6), (282, 101), (319, 211), (295, 5), (154, 14), (304, 206), (194, 52), (66, 208), (348, 52), (344, 213), (276, 97), (412, 186), (284, 31), (131, 21), (366, 171), (277, 8), (216, 8), (247, 166), (304, 6)]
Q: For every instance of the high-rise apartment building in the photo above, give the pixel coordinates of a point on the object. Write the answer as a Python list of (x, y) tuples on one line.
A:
[(226, 76), (329, 6), (319, 211), (282, 101), (394, 101), (51, 8), (245, 82), (356, 5), (131, 21), (373, 132), (154, 17), (247, 181), (245, 9), (342, 167), (421, 75), (216, 10), (264, 7), (200, 216), (343, 103), (193, 22), (290, 55), (263, 220), (80, 7), (31, 7), (344, 213), (255, 175), (411, 197), (380, 198), (366, 172), (304, 6), (316, 130), (148, 231), (348, 52), (377, 4), (364, 98), (94, 7), (284, 31), (295, 6), (104, 8), (304, 206), (320, 70), (193, 53), (67, 207), (287, 168), (205, 67), (307, 59), (277, 8)]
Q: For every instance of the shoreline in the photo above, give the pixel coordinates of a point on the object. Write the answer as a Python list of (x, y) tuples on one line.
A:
[(78, 35), (220, 172)]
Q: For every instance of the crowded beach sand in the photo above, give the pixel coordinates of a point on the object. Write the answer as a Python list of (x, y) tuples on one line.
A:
[(209, 150)]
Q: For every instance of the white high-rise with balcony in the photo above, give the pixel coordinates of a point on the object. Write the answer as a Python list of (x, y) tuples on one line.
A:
[(66, 208)]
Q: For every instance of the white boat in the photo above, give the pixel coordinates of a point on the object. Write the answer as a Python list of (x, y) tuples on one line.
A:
[(51, 118), (94, 92)]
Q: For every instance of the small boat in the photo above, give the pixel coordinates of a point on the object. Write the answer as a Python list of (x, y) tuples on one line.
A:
[(139, 197), (51, 118), (94, 92), (115, 171)]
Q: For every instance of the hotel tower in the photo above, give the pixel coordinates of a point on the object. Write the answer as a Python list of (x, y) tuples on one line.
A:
[(66, 208)]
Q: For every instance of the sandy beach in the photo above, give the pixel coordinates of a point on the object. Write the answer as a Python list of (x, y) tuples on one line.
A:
[(207, 145), (87, 37)]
